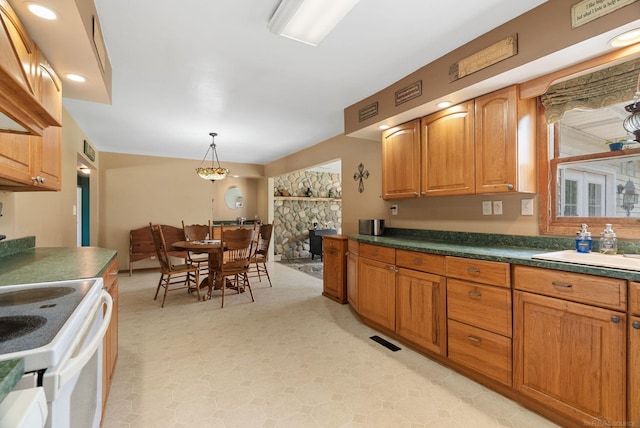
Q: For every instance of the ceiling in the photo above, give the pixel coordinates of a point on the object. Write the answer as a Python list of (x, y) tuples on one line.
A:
[(180, 73)]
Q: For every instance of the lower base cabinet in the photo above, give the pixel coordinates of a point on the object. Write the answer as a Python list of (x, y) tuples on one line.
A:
[(571, 358), (335, 268), (634, 372), (110, 343), (377, 292), (352, 274), (420, 309)]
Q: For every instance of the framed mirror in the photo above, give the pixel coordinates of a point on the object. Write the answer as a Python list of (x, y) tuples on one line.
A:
[(233, 197), (589, 163)]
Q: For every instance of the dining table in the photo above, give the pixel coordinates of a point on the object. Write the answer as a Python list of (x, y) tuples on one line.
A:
[(214, 249)]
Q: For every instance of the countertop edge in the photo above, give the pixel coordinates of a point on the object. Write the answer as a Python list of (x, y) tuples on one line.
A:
[(10, 373)]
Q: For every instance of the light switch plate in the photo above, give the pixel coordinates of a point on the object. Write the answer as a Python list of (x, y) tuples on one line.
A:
[(486, 208), (526, 207), (497, 207)]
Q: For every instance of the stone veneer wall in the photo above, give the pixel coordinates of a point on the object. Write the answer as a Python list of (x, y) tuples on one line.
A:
[(293, 218)]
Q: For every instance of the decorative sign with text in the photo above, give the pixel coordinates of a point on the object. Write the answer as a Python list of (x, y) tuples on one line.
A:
[(588, 10), (408, 93), (89, 151), (484, 58), (368, 112)]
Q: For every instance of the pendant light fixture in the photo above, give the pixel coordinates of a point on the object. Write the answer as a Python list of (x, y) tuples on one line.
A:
[(213, 173)]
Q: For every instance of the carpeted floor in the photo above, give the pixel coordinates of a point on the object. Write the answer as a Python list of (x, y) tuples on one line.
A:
[(308, 266)]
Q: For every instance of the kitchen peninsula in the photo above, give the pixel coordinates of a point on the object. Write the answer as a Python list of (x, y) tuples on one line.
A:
[(486, 306)]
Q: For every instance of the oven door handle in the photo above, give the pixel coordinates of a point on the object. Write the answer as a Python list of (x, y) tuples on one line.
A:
[(75, 364)]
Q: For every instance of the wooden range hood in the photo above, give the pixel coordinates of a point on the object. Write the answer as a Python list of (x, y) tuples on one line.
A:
[(22, 69)]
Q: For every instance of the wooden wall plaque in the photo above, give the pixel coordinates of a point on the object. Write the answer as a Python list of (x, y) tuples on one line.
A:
[(484, 58)]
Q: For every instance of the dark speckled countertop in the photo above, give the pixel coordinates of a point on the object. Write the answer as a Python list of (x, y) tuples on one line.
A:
[(23, 263), (512, 249)]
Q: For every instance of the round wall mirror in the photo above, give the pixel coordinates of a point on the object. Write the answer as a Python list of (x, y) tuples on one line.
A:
[(233, 197)]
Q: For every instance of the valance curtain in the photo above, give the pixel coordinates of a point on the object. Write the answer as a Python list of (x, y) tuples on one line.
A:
[(612, 85)]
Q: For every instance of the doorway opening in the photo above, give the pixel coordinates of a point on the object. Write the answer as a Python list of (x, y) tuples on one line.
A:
[(82, 210)]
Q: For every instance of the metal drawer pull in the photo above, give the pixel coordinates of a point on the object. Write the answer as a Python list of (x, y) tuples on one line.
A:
[(560, 284), (636, 325), (417, 261), (473, 270), (474, 294), (474, 339), (615, 319)]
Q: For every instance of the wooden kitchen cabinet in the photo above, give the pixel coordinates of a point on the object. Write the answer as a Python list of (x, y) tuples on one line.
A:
[(421, 309), (448, 152), (505, 142), (376, 285), (352, 274), (335, 267), (569, 356), (633, 394), (110, 343), (401, 161), (479, 316)]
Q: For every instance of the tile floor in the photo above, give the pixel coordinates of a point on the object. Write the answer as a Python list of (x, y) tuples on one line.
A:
[(291, 359)]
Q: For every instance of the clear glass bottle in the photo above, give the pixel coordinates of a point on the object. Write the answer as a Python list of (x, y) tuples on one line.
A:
[(608, 241)]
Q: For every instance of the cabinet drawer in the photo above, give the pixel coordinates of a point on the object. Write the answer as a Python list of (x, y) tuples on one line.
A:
[(110, 274), (423, 262), (493, 273), (377, 252), (590, 289), (634, 298), (482, 306), (485, 352), (333, 242)]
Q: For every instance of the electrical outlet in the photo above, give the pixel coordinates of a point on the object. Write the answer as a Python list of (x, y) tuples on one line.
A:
[(394, 210), (486, 208), (526, 207), (497, 207)]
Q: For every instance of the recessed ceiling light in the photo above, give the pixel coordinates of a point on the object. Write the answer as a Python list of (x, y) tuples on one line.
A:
[(625, 39), (76, 77), (41, 11), (444, 104), (85, 170), (383, 127)]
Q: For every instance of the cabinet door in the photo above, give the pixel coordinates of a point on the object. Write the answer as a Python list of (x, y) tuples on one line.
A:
[(420, 309), (448, 152), (352, 280), (335, 265), (505, 140), (571, 357), (401, 161), (376, 292), (16, 154), (634, 372), (110, 341)]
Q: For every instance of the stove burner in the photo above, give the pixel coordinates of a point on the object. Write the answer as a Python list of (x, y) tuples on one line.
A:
[(19, 325), (33, 295)]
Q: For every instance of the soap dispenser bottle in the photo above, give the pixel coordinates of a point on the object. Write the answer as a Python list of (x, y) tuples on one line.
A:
[(608, 241), (583, 240)]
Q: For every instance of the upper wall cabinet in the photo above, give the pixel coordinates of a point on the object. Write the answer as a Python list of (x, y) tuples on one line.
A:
[(401, 161), (448, 151), (485, 145), (31, 96)]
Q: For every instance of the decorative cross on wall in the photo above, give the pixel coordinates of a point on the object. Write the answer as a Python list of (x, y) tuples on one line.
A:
[(360, 175)]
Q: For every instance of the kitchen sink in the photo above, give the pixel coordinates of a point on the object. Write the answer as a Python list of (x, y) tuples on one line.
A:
[(615, 261)]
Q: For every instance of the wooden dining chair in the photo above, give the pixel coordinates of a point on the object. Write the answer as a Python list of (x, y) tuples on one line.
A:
[(198, 232), (171, 274), (258, 263), (234, 271)]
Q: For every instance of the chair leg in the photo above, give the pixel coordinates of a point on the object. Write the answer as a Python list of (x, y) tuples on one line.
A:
[(248, 285), (224, 285), (158, 288), (166, 289), (266, 271)]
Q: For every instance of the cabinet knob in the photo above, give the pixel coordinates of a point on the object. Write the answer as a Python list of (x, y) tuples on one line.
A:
[(510, 186), (415, 194), (636, 325), (615, 319), (423, 193)]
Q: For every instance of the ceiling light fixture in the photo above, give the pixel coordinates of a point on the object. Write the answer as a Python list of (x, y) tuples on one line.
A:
[(383, 127), (76, 77), (42, 12), (625, 39), (213, 173), (85, 170), (444, 104), (308, 21)]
